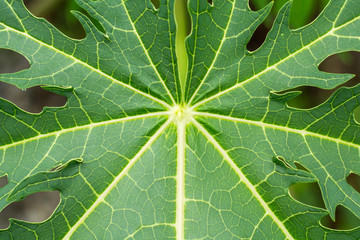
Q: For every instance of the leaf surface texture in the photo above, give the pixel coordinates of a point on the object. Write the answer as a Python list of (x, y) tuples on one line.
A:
[(140, 155)]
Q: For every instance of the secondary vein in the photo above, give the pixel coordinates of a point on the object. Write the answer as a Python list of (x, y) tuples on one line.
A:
[(282, 128), (274, 66), (180, 178), (87, 126), (113, 184), (243, 178)]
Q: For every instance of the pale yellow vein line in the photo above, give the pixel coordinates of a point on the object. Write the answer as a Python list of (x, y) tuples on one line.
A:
[(131, 236), (180, 178), (282, 128), (88, 126), (273, 67), (85, 65), (147, 54), (332, 110), (17, 17), (43, 158), (113, 184), (329, 175), (257, 226), (341, 10), (346, 37), (244, 179), (14, 117), (216, 55)]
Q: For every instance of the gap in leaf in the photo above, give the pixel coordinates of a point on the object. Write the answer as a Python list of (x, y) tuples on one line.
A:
[(302, 12), (354, 181), (307, 193), (347, 62), (156, 3), (11, 61), (58, 168), (57, 12), (344, 62), (344, 219), (357, 114), (301, 167), (210, 2), (36, 207), (280, 158), (182, 13), (310, 97), (33, 99), (256, 5), (258, 38), (3, 181)]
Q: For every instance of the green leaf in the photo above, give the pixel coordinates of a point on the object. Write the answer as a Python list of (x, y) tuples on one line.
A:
[(211, 158)]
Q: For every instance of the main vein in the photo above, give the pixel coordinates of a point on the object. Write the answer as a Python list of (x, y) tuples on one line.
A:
[(216, 55), (25, 34), (243, 178), (274, 66), (180, 178), (282, 128), (87, 126), (102, 196), (147, 55)]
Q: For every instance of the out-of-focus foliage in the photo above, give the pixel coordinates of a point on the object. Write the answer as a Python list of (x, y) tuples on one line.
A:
[(302, 13)]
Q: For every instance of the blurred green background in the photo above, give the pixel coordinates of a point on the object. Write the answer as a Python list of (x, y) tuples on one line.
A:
[(38, 207)]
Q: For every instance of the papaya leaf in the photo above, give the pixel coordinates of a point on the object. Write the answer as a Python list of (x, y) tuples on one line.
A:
[(141, 154)]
